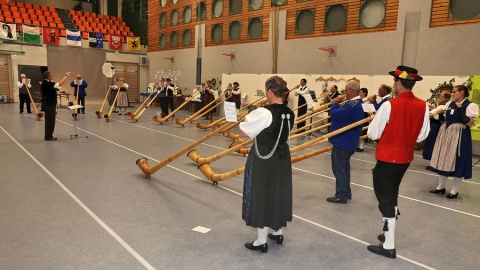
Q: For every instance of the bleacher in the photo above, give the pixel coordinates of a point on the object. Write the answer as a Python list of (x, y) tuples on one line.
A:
[(43, 16)]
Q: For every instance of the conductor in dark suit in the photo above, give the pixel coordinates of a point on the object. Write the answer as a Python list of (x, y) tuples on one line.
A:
[(49, 99)]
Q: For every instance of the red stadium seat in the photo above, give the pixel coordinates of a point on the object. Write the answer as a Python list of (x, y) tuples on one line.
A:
[(47, 14), (78, 13), (16, 15), (81, 28), (22, 10), (44, 8), (24, 16), (60, 25), (36, 6), (52, 24), (49, 19), (12, 3), (20, 4), (44, 23), (38, 12), (85, 35), (7, 14), (9, 19), (33, 17), (2, 19), (13, 9), (89, 29), (3, 2), (51, 9), (5, 8), (31, 11), (28, 5), (18, 20), (103, 31), (63, 33), (35, 22), (93, 15), (71, 12), (27, 22), (130, 34), (42, 18), (57, 20)]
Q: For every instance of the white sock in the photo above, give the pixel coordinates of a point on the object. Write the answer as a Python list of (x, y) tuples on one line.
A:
[(262, 236), (361, 143), (456, 184), (390, 234), (279, 232), (442, 181)]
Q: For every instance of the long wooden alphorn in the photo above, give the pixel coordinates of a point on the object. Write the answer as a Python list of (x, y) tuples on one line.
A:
[(137, 116), (207, 170), (75, 112), (99, 113), (107, 115), (149, 170), (132, 115), (182, 123), (209, 108), (164, 119), (37, 113)]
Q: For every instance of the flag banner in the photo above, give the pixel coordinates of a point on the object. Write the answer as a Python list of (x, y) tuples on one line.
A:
[(31, 34), (95, 40), (51, 36), (133, 43), (74, 38), (8, 31), (115, 42)]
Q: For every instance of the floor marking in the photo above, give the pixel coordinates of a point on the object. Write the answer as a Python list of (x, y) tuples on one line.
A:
[(79, 202), (237, 193)]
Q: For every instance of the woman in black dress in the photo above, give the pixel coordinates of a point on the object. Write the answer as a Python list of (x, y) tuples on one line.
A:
[(267, 191)]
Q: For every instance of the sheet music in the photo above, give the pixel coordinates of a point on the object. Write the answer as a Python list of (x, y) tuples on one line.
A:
[(368, 108), (74, 107), (308, 98), (78, 82), (230, 111)]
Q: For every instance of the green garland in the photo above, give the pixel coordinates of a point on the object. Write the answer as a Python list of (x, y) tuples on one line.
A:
[(432, 99)]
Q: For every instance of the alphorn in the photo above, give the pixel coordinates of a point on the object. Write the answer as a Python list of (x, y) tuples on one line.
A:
[(301, 106), (75, 112), (37, 113), (107, 115), (207, 170), (99, 113), (148, 99), (163, 119), (149, 170), (207, 111), (137, 116), (182, 123)]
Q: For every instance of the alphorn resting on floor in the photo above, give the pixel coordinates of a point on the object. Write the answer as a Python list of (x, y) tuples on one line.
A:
[(37, 113), (99, 113), (146, 103), (200, 112)]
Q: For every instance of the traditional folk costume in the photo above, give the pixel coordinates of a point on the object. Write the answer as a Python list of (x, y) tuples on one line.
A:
[(122, 99), (236, 95), (379, 104), (208, 98), (23, 95), (301, 101), (397, 125), (332, 96), (81, 92), (452, 154), (435, 123), (113, 94), (49, 99), (267, 192)]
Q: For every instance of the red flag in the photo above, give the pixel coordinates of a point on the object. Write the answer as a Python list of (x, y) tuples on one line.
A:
[(115, 42), (51, 36)]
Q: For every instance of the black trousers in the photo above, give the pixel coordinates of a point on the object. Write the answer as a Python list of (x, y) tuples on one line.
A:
[(164, 104), (24, 98), (49, 120), (386, 183), (81, 101), (170, 103), (301, 111)]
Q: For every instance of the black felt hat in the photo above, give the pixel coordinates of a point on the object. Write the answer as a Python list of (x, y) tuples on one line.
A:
[(236, 83), (406, 73)]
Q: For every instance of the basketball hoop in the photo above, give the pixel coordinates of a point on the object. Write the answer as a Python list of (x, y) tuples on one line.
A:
[(330, 50)]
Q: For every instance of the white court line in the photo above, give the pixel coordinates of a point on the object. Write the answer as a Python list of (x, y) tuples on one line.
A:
[(239, 194), (79, 202)]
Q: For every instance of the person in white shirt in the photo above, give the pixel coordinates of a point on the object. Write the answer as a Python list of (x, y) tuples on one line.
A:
[(301, 90), (23, 94)]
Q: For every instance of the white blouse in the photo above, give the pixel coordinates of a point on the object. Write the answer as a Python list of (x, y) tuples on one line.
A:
[(256, 121)]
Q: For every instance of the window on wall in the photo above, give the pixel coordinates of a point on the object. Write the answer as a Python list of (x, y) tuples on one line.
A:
[(372, 14), (174, 39), (255, 28), (187, 37), (235, 6), (162, 41), (255, 4), (217, 33), (162, 21), (187, 14), (336, 18), (174, 1), (201, 11), (143, 6), (304, 22), (163, 3), (234, 31), (463, 9), (278, 2), (217, 8), (174, 17)]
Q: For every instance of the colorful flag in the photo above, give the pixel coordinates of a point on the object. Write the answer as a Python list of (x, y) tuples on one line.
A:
[(95, 40), (31, 34), (74, 38), (133, 43), (51, 36), (8, 31), (116, 42)]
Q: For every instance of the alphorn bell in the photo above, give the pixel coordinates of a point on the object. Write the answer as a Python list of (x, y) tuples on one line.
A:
[(171, 114), (149, 170), (37, 113), (207, 170), (107, 115), (99, 113)]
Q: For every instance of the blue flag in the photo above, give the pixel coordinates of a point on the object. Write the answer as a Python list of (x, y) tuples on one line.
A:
[(95, 40)]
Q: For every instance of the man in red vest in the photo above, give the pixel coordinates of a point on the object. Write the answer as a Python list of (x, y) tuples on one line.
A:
[(397, 125)]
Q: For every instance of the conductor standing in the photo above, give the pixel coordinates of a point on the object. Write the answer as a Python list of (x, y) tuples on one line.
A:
[(49, 99)]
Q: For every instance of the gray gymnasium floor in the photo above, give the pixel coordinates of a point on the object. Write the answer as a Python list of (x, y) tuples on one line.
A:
[(84, 204)]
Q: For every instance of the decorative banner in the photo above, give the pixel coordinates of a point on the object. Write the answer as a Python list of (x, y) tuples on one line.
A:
[(8, 31), (95, 40), (31, 34), (51, 36), (74, 38), (116, 42), (133, 43)]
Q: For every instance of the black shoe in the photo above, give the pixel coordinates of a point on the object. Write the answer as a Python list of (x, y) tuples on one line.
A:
[(451, 196), (442, 191), (263, 248), (83, 112), (389, 253), (21, 112), (381, 238), (359, 150), (29, 112), (278, 238), (51, 139), (429, 168), (336, 200)]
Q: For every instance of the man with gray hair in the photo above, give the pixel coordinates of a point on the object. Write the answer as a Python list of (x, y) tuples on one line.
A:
[(22, 92), (345, 143)]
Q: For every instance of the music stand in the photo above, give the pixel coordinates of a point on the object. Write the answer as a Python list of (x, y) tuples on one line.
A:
[(312, 94), (76, 107)]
